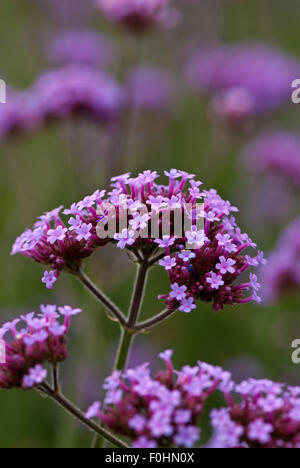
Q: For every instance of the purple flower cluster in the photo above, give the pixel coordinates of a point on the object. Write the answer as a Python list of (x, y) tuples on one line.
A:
[(77, 90), (150, 88), (208, 271), (41, 340), (267, 417), (282, 273), (83, 47), (139, 15), (275, 152), (62, 246), (163, 411), (244, 79)]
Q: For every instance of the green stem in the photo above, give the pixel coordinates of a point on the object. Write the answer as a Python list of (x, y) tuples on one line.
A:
[(124, 349), (138, 294), (127, 334), (105, 301), (148, 324), (79, 416)]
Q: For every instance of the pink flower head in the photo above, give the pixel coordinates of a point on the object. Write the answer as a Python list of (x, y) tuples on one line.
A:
[(42, 340), (161, 411)]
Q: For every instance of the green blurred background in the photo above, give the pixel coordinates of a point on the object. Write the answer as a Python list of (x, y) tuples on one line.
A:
[(58, 166)]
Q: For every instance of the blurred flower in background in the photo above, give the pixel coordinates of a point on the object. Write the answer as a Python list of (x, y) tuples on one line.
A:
[(18, 115), (282, 273), (244, 80), (70, 91), (85, 47), (150, 88), (139, 15), (277, 153)]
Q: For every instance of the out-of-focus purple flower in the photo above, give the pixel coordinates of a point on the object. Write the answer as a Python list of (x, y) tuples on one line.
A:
[(150, 88), (83, 47), (139, 15), (77, 90), (274, 201), (244, 80), (42, 340), (282, 273), (61, 93), (19, 114), (275, 152)]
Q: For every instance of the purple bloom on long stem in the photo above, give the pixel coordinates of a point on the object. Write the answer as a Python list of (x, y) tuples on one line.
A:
[(42, 340), (160, 411)]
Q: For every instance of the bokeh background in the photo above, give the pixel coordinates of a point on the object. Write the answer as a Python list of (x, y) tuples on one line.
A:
[(62, 162)]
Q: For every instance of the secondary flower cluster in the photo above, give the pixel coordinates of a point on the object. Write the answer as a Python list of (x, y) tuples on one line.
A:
[(70, 91), (275, 152), (268, 417), (163, 411), (139, 15), (82, 47), (62, 246), (141, 211), (244, 80), (41, 339), (283, 271)]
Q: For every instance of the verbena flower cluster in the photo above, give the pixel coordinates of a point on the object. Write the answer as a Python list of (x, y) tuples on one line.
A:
[(165, 411), (82, 46), (208, 271), (149, 88), (282, 273), (70, 91), (267, 417), (159, 412), (39, 339), (244, 79), (139, 15), (275, 152)]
